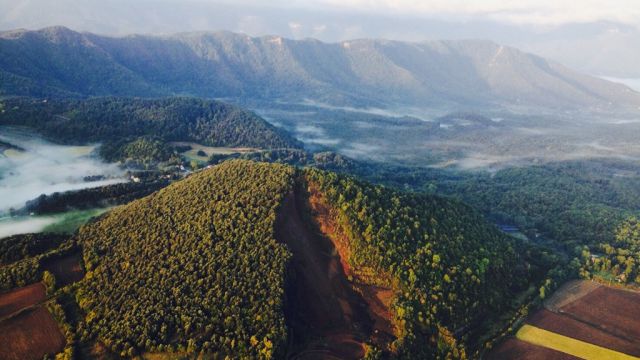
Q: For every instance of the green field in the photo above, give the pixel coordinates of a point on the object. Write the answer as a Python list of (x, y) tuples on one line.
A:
[(192, 154), (70, 221)]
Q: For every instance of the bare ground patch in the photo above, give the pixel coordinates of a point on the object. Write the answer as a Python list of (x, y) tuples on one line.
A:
[(20, 298), (612, 310), (30, 335), (66, 269), (516, 349), (330, 316), (570, 292), (567, 326)]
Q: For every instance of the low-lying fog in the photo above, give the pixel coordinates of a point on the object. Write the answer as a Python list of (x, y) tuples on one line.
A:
[(41, 167), (481, 140), (24, 224)]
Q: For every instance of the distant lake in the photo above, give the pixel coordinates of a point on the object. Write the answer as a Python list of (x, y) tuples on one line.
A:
[(36, 166)]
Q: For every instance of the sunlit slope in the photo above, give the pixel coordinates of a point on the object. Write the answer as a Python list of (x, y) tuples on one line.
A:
[(198, 266), (454, 276), (193, 267)]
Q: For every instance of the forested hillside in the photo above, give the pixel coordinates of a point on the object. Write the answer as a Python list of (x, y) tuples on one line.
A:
[(617, 260), (194, 267), (140, 128), (57, 61), (455, 274), (197, 267)]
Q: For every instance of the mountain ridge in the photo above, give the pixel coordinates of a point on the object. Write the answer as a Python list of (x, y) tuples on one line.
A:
[(363, 72)]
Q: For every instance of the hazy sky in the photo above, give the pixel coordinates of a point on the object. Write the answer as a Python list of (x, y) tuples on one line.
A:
[(598, 37)]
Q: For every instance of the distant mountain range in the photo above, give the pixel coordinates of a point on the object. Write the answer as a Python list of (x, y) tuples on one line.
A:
[(57, 61)]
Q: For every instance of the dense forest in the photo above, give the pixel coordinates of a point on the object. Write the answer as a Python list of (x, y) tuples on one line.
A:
[(104, 196), (618, 260), (22, 257), (455, 273), (139, 128), (571, 203), (18, 247), (202, 272), (194, 267)]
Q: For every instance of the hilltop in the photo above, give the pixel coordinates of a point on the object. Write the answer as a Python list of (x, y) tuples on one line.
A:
[(245, 258), (143, 127)]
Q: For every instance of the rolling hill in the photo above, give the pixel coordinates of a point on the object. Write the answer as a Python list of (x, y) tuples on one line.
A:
[(58, 61), (266, 260), (126, 125)]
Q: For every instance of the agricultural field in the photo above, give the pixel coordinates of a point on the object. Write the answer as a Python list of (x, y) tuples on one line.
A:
[(68, 222), (31, 334), (66, 269), (583, 320), (20, 298), (201, 153), (27, 329)]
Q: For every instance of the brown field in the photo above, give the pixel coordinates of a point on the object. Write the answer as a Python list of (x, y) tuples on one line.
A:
[(614, 311), (66, 269), (570, 292), (564, 325), (516, 349), (585, 311), (17, 299), (30, 335)]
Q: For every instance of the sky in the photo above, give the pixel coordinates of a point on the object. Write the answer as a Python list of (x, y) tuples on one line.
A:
[(596, 37)]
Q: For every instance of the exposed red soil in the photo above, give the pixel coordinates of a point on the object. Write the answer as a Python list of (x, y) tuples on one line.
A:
[(564, 325), (614, 311), (66, 269), (513, 348), (30, 335), (328, 317), (17, 299), (378, 298)]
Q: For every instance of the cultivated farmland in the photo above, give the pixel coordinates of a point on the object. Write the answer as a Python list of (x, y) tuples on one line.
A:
[(582, 319), (30, 335), (20, 298)]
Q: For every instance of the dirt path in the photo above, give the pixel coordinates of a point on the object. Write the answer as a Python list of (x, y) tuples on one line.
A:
[(329, 320)]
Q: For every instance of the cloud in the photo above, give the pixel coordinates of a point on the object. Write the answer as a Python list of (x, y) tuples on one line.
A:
[(531, 12), (252, 24), (296, 29)]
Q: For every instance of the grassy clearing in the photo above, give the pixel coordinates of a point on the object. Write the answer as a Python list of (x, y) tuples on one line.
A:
[(13, 153), (567, 345), (208, 150), (70, 221)]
